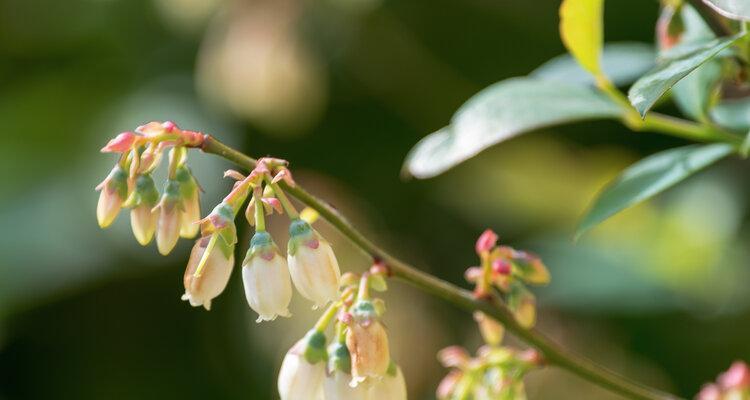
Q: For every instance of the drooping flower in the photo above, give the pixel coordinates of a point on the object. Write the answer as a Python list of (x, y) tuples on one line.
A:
[(265, 275), (170, 218), (303, 369), (208, 270), (392, 386), (367, 341), (312, 264), (113, 193), (143, 217), (336, 384), (190, 196)]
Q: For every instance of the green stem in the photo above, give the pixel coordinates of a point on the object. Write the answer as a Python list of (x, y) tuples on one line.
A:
[(553, 353), (260, 217), (326, 318), (285, 203)]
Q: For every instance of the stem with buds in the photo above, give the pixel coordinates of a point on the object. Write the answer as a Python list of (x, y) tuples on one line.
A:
[(552, 352)]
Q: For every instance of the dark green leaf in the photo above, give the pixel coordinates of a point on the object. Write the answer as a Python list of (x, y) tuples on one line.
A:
[(647, 90), (501, 111), (622, 63), (734, 9), (650, 176)]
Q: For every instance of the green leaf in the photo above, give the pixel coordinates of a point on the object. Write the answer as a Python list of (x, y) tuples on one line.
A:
[(733, 114), (734, 9), (647, 90), (501, 111), (693, 94), (581, 30), (622, 63), (649, 177)]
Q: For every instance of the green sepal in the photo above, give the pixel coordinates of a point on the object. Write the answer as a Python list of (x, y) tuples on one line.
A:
[(145, 188), (259, 243), (299, 232), (228, 234), (226, 249), (379, 306), (339, 358), (188, 184), (315, 347), (392, 370), (364, 310), (119, 182), (377, 282)]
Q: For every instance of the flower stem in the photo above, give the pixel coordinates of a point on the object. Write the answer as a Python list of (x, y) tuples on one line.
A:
[(326, 318), (553, 353), (260, 217), (288, 207)]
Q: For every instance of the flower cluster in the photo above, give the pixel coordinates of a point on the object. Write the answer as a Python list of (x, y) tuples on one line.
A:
[(357, 365), (734, 384), (497, 371), (167, 216), (507, 270)]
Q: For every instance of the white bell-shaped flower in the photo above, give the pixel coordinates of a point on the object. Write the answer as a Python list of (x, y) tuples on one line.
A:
[(312, 264), (299, 379), (391, 387), (265, 275), (204, 283)]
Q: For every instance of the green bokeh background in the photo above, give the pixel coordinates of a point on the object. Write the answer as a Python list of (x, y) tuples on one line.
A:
[(658, 293)]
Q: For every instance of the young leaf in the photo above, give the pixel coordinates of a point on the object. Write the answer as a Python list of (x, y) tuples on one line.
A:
[(581, 30), (734, 9), (623, 63), (650, 176), (501, 111), (647, 90)]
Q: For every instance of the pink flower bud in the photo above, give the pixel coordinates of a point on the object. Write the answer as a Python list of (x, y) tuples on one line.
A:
[(709, 392), (502, 267), (736, 377), (486, 242), (201, 290), (121, 143), (448, 385), (368, 346), (298, 379), (453, 357)]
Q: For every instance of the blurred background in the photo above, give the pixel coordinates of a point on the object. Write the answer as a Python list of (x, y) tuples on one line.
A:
[(343, 89)]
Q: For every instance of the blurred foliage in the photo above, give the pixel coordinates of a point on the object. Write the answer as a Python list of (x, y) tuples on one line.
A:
[(343, 89)]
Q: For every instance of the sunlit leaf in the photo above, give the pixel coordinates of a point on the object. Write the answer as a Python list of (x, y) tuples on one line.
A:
[(650, 176), (581, 29), (647, 90), (734, 9), (501, 111), (622, 63)]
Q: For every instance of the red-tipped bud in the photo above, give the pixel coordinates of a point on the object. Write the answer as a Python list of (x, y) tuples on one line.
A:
[(121, 143), (736, 377), (453, 357), (486, 242), (502, 267)]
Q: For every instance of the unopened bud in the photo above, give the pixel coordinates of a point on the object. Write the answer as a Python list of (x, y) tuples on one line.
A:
[(113, 192), (190, 196), (143, 217), (486, 242), (170, 218)]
